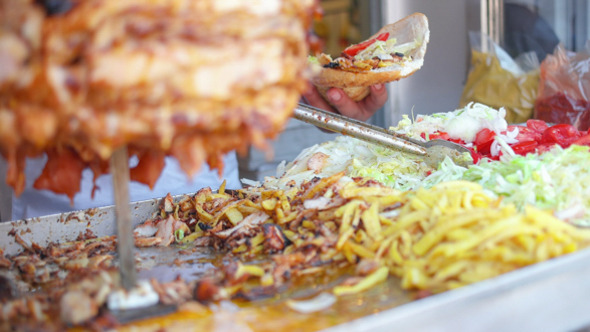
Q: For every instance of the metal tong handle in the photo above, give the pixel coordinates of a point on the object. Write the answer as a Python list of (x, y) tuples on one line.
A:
[(358, 129)]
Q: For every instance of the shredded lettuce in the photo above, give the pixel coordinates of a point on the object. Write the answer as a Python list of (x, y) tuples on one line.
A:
[(380, 49), (447, 171), (390, 167), (406, 48), (384, 49), (557, 180)]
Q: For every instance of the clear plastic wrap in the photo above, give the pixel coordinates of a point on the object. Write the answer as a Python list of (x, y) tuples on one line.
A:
[(497, 80), (564, 88)]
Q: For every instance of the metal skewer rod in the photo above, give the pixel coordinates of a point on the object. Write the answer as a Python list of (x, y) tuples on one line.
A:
[(119, 164)]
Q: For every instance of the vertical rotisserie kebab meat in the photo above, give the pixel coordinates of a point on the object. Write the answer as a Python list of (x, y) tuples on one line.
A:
[(193, 79)]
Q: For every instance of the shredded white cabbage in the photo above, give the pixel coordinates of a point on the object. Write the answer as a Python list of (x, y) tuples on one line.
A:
[(380, 49), (463, 123), (357, 158), (384, 49), (408, 47)]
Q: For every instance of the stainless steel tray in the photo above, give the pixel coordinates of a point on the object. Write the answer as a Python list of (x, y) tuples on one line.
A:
[(67, 226), (554, 295)]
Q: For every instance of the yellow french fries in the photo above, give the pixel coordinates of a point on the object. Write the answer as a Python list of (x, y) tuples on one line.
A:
[(451, 235), (369, 281)]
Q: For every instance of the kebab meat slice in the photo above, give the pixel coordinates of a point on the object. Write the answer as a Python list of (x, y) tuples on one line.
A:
[(193, 79)]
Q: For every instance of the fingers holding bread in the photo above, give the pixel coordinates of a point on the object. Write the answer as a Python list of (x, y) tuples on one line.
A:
[(337, 101), (356, 93)]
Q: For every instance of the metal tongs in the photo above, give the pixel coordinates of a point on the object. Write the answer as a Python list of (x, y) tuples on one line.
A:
[(433, 151)]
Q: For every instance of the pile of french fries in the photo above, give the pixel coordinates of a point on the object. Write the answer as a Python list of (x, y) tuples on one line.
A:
[(454, 234)]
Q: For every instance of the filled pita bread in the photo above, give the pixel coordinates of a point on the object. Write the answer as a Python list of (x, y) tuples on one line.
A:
[(394, 52)]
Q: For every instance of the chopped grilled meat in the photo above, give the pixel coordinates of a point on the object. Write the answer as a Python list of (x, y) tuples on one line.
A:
[(206, 290), (275, 239), (317, 162), (174, 292), (147, 241), (146, 229), (5, 262), (77, 307), (7, 289), (244, 226)]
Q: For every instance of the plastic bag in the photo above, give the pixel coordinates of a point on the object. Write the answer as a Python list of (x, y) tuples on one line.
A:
[(497, 80), (564, 88)]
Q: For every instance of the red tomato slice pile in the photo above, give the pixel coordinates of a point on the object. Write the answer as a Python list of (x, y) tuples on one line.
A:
[(536, 136)]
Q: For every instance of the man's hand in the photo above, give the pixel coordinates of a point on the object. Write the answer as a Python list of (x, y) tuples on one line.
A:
[(361, 110)]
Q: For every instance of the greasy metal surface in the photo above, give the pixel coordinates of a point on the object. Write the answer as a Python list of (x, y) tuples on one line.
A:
[(131, 315), (434, 151), (167, 263), (553, 295)]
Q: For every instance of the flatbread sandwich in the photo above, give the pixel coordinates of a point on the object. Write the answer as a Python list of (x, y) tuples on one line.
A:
[(394, 52)]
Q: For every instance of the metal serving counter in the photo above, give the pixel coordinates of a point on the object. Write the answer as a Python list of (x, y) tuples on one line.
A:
[(554, 295)]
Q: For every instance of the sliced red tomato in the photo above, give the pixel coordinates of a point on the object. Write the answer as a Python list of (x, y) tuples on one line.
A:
[(355, 49), (484, 136), (456, 140), (584, 140), (562, 134), (383, 37), (439, 135), (483, 141), (526, 133), (522, 148), (475, 156), (537, 125)]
